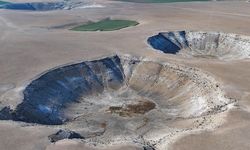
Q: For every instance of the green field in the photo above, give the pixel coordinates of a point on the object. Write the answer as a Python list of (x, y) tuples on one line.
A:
[(159, 1), (105, 25)]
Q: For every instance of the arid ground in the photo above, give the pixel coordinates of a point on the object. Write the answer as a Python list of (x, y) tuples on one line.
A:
[(33, 42)]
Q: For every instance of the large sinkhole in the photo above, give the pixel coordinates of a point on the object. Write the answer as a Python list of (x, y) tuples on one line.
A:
[(190, 44), (117, 87)]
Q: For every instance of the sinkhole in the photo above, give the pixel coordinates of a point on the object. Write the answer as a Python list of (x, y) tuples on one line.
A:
[(35, 6), (216, 45), (43, 6), (117, 88)]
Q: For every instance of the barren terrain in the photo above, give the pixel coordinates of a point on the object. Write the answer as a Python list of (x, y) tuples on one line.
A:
[(149, 100)]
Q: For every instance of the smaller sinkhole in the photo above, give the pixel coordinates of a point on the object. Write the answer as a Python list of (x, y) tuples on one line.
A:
[(191, 44)]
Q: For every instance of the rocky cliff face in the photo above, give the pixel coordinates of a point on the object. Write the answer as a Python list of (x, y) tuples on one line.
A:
[(202, 44), (47, 96)]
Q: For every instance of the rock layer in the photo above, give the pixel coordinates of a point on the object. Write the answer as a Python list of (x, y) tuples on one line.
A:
[(64, 134)]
